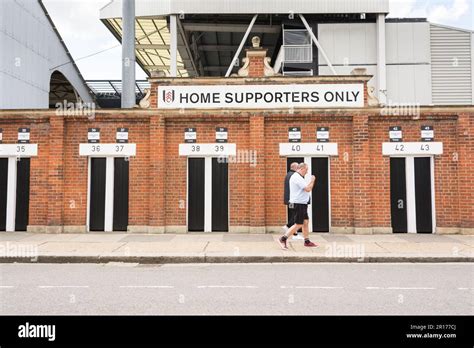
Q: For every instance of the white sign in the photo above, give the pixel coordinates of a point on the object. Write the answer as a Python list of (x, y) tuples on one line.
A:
[(322, 134), (221, 135), (93, 135), (116, 150), (24, 135), (18, 150), (261, 96), (122, 135), (412, 149), (215, 150), (190, 135), (308, 149), (294, 134)]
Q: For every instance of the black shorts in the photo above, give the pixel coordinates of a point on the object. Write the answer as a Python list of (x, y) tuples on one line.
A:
[(301, 213)]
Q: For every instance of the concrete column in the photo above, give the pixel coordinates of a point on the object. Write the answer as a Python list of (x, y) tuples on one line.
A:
[(381, 60), (128, 54), (173, 46)]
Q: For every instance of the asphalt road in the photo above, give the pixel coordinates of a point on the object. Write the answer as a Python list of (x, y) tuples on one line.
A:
[(294, 289)]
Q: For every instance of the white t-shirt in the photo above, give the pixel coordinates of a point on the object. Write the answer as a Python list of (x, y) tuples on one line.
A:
[(297, 193)]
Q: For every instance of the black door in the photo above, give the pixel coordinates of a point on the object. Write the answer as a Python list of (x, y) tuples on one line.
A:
[(398, 195), (423, 195), (97, 194), (220, 195), (3, 193), (121, 170), (320, 194), (22, 194), (196, 194)]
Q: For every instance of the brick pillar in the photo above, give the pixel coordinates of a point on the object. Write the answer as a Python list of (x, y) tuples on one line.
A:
[(361, 174), (465, 135), (157, 174), (56, 175), (257, 175)]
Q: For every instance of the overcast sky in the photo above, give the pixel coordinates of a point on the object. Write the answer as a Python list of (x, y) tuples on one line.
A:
[(79, 25)]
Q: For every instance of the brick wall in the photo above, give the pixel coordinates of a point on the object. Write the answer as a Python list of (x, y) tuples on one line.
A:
[(360, 185)]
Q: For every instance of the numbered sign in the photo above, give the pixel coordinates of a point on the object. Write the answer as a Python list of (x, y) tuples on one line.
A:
[(221, 135), (427, 133), (116, 150), (214, 150), (23, 135), (190, 135), (18, 150), (412, 149), (93, 135), (294, 134), (322, 134), (308, 149), (122, 135), (395, 134)]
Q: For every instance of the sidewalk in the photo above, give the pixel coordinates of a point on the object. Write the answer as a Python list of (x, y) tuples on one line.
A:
[(221, 247)]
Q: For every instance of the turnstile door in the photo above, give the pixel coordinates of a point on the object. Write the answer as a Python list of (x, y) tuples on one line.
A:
[(196, 194), (3, 193), (97, 194), (22, 194), (320, 194), (220, 195), (398, 195), (424, 222), (121, 182)]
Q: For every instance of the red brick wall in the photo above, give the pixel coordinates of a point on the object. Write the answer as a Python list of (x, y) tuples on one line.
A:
[(360, 186)]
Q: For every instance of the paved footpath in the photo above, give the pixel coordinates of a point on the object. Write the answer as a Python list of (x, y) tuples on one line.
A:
[(222, 247)]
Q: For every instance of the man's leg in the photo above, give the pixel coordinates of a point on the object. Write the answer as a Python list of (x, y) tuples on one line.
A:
[(306, 229), (292, 230)]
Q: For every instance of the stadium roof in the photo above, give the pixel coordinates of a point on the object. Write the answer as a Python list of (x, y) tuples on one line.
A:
[(209, 32)]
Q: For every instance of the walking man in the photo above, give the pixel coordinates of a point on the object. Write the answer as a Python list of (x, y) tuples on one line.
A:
[(300, 196), (286, 199)]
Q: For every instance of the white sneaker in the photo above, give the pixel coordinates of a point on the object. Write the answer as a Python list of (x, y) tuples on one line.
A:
[(297, 237), (284, 228)]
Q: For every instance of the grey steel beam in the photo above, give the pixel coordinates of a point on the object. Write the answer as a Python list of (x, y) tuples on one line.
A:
[(231, 28), (128, 54), (173, 45), (316, 42), (242, 43)]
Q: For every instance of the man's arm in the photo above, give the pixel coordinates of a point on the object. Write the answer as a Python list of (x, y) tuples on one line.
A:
[(310, 186)]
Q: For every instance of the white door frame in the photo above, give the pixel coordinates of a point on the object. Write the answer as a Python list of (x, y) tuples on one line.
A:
[(410, 191), (109, 192), (207, 193), (308, 161)]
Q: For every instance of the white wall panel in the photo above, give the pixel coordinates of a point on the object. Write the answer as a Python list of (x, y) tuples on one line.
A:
[(28, 39)]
